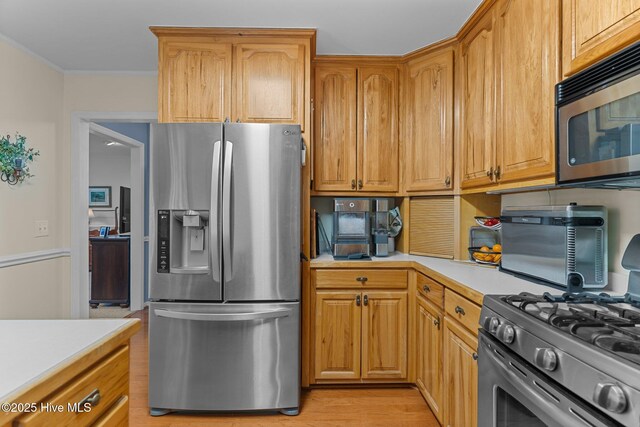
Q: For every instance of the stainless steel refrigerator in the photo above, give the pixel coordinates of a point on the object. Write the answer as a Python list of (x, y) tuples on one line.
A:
[(224, 321)]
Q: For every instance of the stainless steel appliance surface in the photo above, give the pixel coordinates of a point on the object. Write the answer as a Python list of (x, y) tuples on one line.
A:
[(597, 116), (225, 267), (565, 360), (351, 228), (380, 227), (564, 245)]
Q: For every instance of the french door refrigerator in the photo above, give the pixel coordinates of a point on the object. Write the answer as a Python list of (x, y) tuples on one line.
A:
[(224, 316)]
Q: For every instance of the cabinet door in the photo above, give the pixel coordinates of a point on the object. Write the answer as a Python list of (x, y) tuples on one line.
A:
[(477, 104), (377, 128), (337, 335), (429, 123), (528, 68), (594, 29), (194, 81), (429, 354), (335, 128), (460, 376), (269, 83), (384, 335)]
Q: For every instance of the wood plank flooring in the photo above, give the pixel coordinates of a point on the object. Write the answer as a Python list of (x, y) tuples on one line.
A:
[(320, 407)]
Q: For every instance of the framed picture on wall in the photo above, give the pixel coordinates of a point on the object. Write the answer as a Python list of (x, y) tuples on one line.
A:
[(100, 197)]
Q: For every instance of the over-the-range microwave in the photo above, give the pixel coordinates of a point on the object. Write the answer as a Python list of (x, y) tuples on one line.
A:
[(598, 124)]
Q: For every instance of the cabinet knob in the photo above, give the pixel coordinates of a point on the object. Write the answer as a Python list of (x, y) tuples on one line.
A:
[(362, 279), (436, 322), (426, 288), (447, 181), (490, 173), (353, 184), (366, 300), (360, 184), (358, 300), (475, 356), (460, 310), (496, 173)]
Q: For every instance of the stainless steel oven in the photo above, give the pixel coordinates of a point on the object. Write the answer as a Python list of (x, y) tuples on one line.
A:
[(511, 392)]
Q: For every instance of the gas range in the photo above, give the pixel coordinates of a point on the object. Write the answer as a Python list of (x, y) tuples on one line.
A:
[(587, 344)]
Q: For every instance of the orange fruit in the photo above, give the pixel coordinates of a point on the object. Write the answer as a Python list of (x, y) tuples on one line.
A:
[(497, 257), (485, 249), (497, 247)]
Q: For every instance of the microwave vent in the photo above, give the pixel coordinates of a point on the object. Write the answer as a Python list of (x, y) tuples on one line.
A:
[(600, 75), (599, 257), (571, 249)]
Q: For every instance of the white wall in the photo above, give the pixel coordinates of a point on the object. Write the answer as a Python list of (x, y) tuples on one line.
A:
[(623, 209), (108, 166), (31, 94)]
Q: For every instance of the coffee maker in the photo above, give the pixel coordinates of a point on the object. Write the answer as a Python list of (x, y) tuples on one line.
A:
[(380, 227), (351, 228)]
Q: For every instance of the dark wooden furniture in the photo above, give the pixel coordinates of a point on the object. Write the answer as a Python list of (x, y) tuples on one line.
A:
[(110, 273)]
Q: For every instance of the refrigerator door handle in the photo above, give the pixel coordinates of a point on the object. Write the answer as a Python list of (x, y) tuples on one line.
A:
[(214, 240), (226, 211), (224, 317)]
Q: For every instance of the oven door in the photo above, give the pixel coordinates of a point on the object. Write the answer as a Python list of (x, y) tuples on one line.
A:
[(511, 392)]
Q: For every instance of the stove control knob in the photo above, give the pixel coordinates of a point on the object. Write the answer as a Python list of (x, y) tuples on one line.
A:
[(546, 359), (491, 324), (611, 397), (506, 333)]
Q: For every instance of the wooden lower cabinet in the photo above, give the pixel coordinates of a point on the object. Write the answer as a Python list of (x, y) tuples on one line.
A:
[(460, 376), (360, 336), (429, 354)]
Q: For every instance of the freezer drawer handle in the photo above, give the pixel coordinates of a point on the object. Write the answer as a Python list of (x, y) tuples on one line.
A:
[(224, 317)]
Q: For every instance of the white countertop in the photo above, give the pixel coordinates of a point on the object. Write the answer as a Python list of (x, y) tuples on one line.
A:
[(31, 348), (484, 279)]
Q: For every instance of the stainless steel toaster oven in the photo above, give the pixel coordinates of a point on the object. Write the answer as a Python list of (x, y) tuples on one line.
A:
[(564, 245)]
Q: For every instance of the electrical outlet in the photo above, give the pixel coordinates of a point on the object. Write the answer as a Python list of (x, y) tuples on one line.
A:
[(42, 228)]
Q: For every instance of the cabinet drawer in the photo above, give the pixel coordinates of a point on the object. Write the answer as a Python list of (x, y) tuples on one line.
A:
[(110, 378), (430, 289), (463, 310), (348, 278)]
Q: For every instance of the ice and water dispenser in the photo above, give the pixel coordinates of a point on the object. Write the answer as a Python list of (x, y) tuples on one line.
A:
[(183, 241)]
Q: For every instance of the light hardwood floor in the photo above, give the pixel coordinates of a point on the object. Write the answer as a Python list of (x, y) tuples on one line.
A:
[(320, 407)]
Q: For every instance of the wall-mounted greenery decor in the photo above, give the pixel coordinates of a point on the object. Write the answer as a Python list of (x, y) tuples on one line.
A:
[(14, 159)]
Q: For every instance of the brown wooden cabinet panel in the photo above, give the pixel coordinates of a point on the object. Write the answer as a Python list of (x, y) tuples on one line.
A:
[(377, 136), (477, 75), (429, 123), (429, 354), (460, 376), (384, 335), (337, 335), (194, 81), (335, 128), (110, 270), (359, 279), (594, 29), (528, 67), (269, 83)]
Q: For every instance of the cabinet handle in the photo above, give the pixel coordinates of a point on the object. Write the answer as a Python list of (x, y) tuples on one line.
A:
[(362, 279), (353, 184), (92, 398), (436, 322), (358, 300), (426, 288), (496, 173), (460, 310), (366, 300), (360, 184), (475, 356), (490, 173), (447, 181)]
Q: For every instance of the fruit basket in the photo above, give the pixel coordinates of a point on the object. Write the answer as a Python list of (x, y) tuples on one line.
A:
[(490, 222), (486, 255)]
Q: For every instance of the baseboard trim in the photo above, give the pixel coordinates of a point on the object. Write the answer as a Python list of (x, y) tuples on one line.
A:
[(37, 256)]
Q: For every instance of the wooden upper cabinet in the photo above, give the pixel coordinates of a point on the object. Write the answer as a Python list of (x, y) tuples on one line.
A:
[(377, 136), (429, 123), (337, 335), (384, 335), (594, 29), (335, 130), (194, 81), (477, 82), (269, 83), (528, 67)]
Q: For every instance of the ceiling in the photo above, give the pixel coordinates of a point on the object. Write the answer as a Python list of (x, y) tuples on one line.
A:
[(113, 35)]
